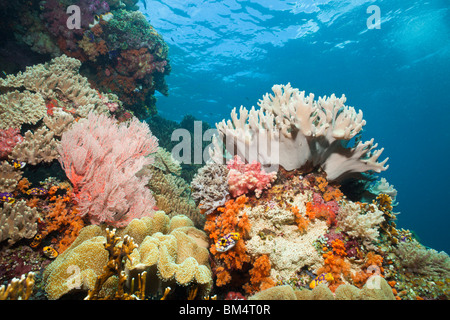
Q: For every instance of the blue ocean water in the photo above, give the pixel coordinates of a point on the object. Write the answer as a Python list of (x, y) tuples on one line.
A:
[(229, 53)]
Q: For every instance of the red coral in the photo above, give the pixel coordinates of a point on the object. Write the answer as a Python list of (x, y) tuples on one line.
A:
[(321, 210), (244, 178), (8, 140)]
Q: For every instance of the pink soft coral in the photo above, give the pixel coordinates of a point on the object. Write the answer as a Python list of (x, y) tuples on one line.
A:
[(243, 178), (8, 139), (101, 159)]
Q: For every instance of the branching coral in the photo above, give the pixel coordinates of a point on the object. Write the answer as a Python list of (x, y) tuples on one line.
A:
[(294, 130), (115, 266), (17, 221), (18, 289)]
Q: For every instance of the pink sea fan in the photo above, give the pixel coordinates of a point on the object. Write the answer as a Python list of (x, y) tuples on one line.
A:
[(8, 139), (101, 159), (243, 178)]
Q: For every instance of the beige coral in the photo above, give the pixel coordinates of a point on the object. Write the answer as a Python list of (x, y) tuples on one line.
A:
[(17, 221), (9, 177), (293, 130), (275, 233), (378, 289), (59, 123), (17, 108), (357, 223), (58, 78), (176, 256), (36, 147)]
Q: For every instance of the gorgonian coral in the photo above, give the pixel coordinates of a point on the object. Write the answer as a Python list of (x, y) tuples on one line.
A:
[(101, 159)]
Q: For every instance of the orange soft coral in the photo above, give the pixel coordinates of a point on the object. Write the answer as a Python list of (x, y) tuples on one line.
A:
[(332, 194), (23, 185), (260, 276), (64, 218), (320, 211), (301, 222), (337, 266), (321, 183), (372, 266), (223, 276), (338, 247), (224, 221)]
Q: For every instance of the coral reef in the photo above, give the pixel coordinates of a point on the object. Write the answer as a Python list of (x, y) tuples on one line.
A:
[(281, 220), (118, 46)]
